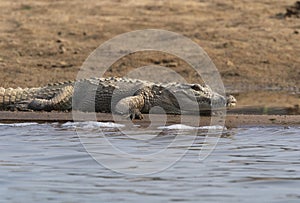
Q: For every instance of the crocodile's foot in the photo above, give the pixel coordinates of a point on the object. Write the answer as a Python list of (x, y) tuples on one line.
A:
[(30, 105), (136, 114), (39, 105), (132, 115), (20, 106)]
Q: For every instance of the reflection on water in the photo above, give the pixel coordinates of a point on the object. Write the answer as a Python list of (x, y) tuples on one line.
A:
[(47, 163)]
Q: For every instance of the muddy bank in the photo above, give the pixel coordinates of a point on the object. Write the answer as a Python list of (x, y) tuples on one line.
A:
[(231, 120)]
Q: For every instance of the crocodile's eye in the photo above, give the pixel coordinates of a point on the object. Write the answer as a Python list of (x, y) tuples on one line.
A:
[(196, 87)]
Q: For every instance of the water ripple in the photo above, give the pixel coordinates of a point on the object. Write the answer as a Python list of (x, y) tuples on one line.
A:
[(47, 163)]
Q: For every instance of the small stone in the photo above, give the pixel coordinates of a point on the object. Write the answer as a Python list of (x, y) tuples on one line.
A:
[(62, 49), (296, 32), (229, 63), (227, 44), (63, 63), (172, 65)]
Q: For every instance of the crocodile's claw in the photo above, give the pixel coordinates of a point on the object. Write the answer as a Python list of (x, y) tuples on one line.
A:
[(136, 114)]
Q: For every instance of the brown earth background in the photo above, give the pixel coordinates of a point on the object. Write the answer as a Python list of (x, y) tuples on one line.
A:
[(254, 44)]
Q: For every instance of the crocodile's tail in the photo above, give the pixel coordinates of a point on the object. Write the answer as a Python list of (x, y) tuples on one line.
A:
[(11, 96)]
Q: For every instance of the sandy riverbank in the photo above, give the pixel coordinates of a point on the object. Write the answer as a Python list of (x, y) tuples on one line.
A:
[(253, 44)]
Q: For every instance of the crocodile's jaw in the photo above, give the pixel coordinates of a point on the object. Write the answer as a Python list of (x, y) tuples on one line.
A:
[(184, 102), (197, 101)]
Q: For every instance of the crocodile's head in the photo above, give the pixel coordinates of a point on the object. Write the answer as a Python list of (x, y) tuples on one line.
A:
[(188, 98)]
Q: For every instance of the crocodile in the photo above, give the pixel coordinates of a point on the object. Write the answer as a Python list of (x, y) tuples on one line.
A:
[(126, 96)]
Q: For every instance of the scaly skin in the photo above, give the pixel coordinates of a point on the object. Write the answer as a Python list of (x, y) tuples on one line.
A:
[(119, 95), (50, 97)]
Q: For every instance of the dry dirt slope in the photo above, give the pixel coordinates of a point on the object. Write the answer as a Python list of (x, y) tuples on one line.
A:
[(252, 43)]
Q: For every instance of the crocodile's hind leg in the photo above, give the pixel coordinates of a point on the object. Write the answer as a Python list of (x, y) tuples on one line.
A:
[(61, 101)]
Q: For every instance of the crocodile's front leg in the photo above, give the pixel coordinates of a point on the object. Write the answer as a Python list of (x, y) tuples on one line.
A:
[(131, 106)]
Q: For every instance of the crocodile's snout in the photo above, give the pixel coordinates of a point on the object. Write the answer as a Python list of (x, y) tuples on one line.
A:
[(231, 101)]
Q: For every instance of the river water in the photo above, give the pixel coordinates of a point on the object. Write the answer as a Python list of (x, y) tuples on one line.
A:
[(50, 163)]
